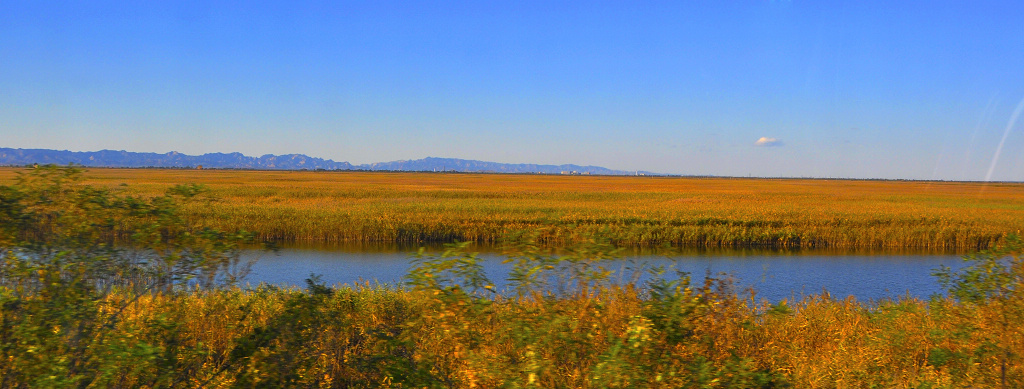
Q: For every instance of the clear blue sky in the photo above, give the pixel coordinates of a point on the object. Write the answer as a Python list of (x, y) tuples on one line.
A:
[(868, 89)]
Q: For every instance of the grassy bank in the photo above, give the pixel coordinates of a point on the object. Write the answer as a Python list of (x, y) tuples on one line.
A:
[(676, 335), (643, 211)]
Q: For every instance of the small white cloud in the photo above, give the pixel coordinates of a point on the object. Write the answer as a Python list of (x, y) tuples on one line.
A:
[(768, 142)]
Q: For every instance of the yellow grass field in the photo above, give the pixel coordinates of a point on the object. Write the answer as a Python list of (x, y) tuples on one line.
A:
[(76, 311), (638, 211)]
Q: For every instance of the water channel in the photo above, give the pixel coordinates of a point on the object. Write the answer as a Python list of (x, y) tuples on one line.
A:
[(773, 274)]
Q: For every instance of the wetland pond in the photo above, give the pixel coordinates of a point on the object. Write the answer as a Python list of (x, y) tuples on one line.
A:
[(774, 274)]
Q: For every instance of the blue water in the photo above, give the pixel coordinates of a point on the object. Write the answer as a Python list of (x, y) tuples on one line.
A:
[(772, 274)]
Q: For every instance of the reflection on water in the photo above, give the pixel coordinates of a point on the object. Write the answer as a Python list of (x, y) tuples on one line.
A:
[(774, 274)]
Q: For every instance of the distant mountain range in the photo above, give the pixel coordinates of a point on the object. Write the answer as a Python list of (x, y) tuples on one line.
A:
[(111, 158)]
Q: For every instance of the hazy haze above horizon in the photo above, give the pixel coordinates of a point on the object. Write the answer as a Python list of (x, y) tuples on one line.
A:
[(923, 90)]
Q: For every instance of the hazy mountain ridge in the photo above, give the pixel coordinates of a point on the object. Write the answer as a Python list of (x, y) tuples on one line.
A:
[(112, 158), (466, 165)]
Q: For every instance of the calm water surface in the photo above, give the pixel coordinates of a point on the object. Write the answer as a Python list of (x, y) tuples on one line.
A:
[(773, 274)]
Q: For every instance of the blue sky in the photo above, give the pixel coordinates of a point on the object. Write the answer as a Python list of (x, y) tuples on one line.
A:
[(863, 89)]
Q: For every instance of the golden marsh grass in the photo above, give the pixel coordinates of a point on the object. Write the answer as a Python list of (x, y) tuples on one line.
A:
[(642, 211), (76, 311), (607, 339)]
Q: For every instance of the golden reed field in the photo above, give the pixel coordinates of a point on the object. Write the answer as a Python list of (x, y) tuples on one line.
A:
[(78, 311), (639, 211)]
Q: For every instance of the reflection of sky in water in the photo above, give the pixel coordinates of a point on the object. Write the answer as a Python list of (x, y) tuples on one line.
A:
[(774, 275)]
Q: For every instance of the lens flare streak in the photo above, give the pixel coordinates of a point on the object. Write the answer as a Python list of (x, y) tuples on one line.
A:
[(999, 149)]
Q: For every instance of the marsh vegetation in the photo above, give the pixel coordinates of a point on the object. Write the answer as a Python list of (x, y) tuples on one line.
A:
[(634, 211), (78, 310)]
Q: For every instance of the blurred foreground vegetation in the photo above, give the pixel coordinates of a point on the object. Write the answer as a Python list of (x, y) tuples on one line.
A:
[(99, 288)]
